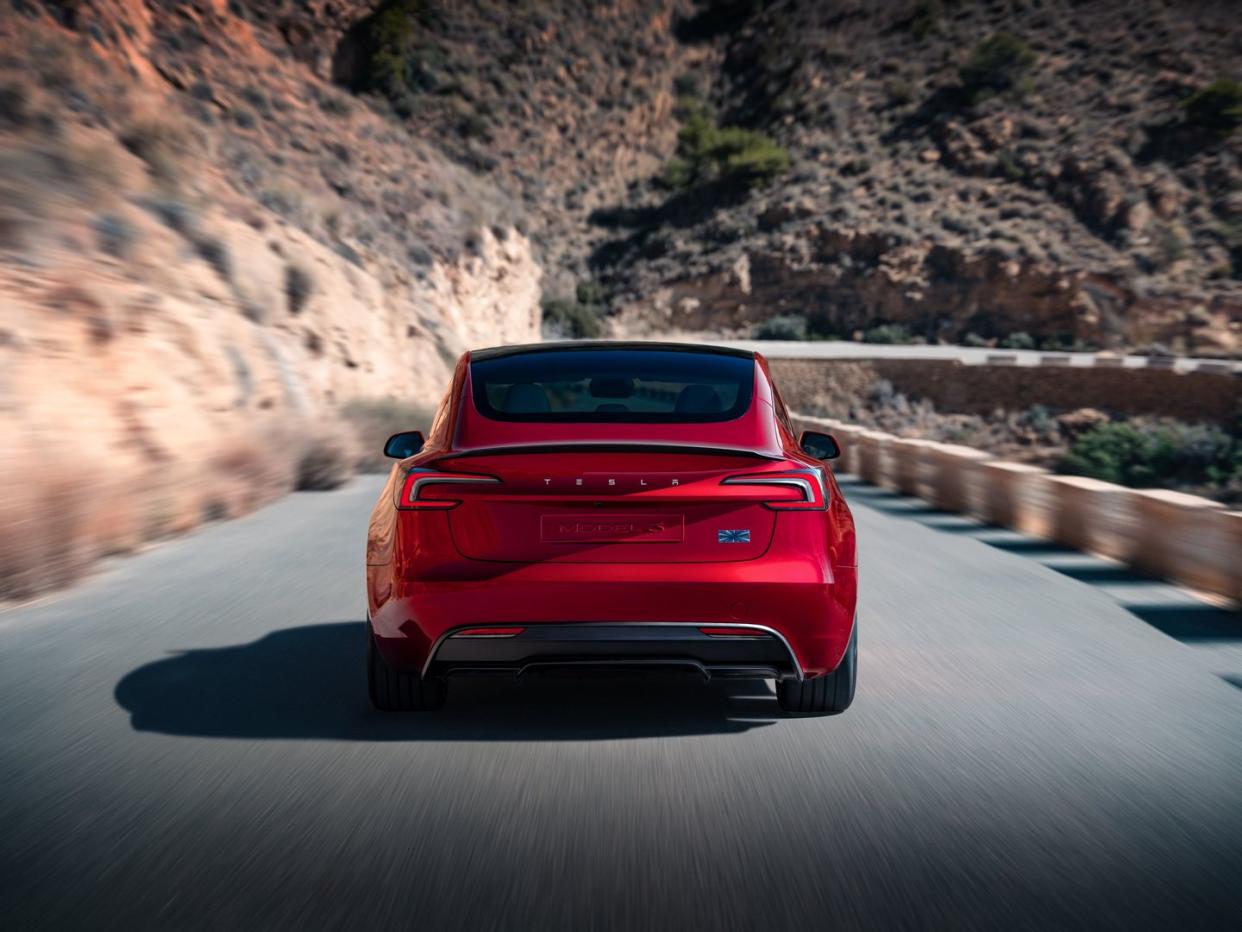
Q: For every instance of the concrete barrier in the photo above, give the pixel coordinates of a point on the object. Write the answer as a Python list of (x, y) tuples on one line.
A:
[(1231, 523), (909, 457), (1184, 537), (1095, 516), (1017, 496), (1191, 540), (953, 489), (870, 446), (851, 453), (889, 461)]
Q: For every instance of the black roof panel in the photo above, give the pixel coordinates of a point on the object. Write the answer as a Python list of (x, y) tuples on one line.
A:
[(496, 352)]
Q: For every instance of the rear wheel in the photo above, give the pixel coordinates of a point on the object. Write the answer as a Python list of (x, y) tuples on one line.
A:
[(829, 694), (396, 690)]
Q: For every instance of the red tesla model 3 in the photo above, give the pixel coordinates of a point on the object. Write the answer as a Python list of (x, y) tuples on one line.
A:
[(602, 506)]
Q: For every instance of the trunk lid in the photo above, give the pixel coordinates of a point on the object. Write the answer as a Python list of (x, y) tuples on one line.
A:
[(615, 506)]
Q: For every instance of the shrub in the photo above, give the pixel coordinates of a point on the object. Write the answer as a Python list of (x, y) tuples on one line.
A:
[(1018, 341), (213, 251), (1216, 108), (173, 213), (973, 339), (327, 461), (14, 104), (399, 66), (782, 327), (115, 235), (899, 91), (888, 333), (999, 64), (299, 285), (1161, 454), (160, 143), (590, 294), (707, 152), (332, 102), (1170, 245), (1009, 167), (686, 85), (258, 100), (565, 318), (925, 18), (374, 420)]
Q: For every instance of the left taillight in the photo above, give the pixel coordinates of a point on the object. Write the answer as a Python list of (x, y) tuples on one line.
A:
[(809, 491), (416, 490)]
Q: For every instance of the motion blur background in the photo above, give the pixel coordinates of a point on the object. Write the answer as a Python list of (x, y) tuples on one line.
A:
[(242, 242)]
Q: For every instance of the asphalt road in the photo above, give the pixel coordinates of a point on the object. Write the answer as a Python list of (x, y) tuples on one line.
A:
[(1039, 741)]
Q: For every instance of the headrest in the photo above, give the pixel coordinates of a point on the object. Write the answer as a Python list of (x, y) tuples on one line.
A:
[(698, 399), (526, 398)]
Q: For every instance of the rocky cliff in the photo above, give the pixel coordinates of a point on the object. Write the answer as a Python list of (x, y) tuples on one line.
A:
[(205, 250)]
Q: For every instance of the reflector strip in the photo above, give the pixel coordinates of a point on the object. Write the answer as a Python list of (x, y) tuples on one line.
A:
[(489, 633), (726, 632)]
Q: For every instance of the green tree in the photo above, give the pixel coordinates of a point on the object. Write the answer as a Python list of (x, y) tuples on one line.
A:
[(999, 64), (707, 152), (1217, 107)]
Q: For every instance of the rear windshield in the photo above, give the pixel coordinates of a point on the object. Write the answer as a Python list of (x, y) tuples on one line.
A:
[(601, 385)]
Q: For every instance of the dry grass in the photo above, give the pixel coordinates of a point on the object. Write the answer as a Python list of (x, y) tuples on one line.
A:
[(163, 143), (374, 420), (46, 532), (328, 459)]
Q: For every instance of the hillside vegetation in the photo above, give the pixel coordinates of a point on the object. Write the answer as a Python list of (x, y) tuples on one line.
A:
[(945, 169)]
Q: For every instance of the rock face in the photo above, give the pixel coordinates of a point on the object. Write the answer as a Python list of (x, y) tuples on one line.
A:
[(205, 251), (1076, 201)]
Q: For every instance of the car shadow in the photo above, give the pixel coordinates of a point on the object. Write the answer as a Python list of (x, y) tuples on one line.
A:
[(1157, 602), (309, 682)]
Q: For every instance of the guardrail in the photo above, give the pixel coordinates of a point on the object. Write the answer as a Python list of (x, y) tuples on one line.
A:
[(1191, 540)]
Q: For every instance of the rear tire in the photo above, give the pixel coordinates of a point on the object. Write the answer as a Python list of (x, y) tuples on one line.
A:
[(829, 694), (396, 690)]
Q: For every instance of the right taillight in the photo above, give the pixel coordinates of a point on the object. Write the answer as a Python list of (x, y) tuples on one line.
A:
[(812, 493)]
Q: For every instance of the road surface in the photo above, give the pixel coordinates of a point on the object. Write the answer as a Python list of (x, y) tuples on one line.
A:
[(1040, 741)]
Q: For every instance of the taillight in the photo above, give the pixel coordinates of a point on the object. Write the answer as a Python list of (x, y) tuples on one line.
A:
[(808, 484), (419, 480)]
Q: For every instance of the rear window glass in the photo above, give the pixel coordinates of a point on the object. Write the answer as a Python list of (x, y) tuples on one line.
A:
[(655, 386)]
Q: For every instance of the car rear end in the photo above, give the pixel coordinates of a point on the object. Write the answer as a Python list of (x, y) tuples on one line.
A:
[(604, 507)]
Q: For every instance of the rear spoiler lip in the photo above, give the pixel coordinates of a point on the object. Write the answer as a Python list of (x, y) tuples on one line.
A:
[(608, 446)]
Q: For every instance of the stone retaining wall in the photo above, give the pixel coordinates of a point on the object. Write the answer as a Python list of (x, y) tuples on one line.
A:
[(1190, 540), (980, 389)]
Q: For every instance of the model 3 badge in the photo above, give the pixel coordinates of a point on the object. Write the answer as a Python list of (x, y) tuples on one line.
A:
[(739, 536)]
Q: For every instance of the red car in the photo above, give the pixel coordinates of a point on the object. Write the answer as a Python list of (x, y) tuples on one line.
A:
[(609, 506)]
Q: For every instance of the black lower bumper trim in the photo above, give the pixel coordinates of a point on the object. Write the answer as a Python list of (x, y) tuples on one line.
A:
[(585, 646)]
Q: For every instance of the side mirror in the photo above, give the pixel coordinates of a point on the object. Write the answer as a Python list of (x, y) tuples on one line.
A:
[(820, 446), (404, 444)]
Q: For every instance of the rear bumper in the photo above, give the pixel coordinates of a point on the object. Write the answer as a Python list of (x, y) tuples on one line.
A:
[(752, 651), (809, 609)]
